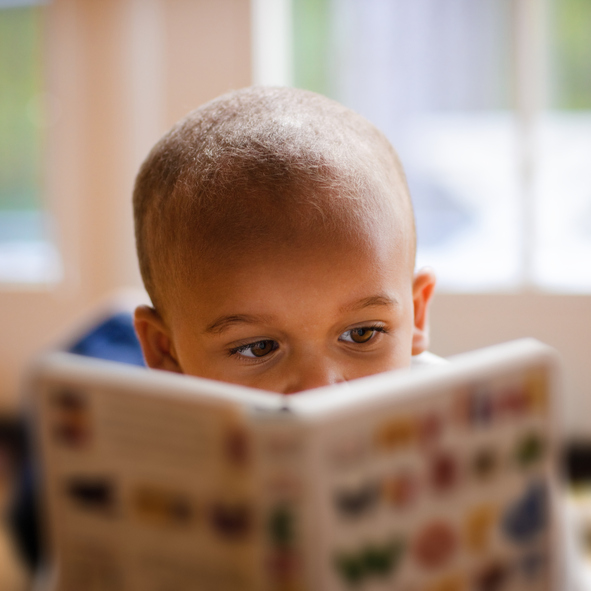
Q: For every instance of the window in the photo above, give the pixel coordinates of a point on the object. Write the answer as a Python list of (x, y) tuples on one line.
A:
[(489, 106), (26, 253), (563, 174)]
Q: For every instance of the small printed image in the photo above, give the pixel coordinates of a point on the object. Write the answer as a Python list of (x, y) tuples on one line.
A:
[(430, 429), (435, 544), (478, 526), (355, 501), (485, 463), (231, 520), (396, 434), (534, 565), (537, 391), (492, 577), (285, 567), (381, 560), (370, 561), (528, 516), (157, 506), (350, 567), (448, 582), (281, 526), (284, 563), (444, 471), (237, 446), (401, 490), (71, 423), (512, 402), (530, 450), (349, 452), (92, 493), (481, 407)]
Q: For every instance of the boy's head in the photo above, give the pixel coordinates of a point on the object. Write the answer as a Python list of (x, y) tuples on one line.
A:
[(276, 239)]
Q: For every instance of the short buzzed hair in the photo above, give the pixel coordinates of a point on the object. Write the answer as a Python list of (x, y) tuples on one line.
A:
[(256, 164)]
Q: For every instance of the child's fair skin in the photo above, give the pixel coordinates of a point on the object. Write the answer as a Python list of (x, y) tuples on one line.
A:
[(296, 305)]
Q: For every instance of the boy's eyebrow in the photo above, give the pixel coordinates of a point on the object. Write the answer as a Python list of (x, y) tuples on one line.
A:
[(376, 300), (219, 325)]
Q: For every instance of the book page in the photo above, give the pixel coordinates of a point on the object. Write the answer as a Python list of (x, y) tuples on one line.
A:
[(445, 490), (147, 492)]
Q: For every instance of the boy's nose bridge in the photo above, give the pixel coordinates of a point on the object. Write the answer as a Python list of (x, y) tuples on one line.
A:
[(313, 372)]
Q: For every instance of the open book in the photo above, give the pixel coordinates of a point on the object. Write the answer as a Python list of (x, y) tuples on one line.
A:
[(436, 479)]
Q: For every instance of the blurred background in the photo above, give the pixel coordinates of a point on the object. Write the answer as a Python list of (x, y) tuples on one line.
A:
[(488, 104)]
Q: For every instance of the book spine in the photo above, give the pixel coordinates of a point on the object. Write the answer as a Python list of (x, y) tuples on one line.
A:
[(284, 504)]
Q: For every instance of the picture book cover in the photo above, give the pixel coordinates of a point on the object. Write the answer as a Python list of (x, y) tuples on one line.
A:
[(439, 479)]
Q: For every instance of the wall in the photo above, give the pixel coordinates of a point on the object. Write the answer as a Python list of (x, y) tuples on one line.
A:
[(121, 72)]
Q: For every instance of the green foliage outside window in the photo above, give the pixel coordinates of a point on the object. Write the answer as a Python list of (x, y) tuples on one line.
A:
[(570, 29), (311, 38), (21, 87)]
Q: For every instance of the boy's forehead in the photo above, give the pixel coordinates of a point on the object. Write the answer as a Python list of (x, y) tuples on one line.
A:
[(381, 241), (260, 230), (321, 263)]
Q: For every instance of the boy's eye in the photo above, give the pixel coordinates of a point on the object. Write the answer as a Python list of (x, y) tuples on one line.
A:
[(258, 349), (360, 335)]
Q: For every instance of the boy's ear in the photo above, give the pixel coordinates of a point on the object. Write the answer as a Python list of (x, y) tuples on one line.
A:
[(155, 340), (422, 292)]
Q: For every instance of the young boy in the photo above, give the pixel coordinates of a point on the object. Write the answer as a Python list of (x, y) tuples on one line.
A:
[(276, 239)]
